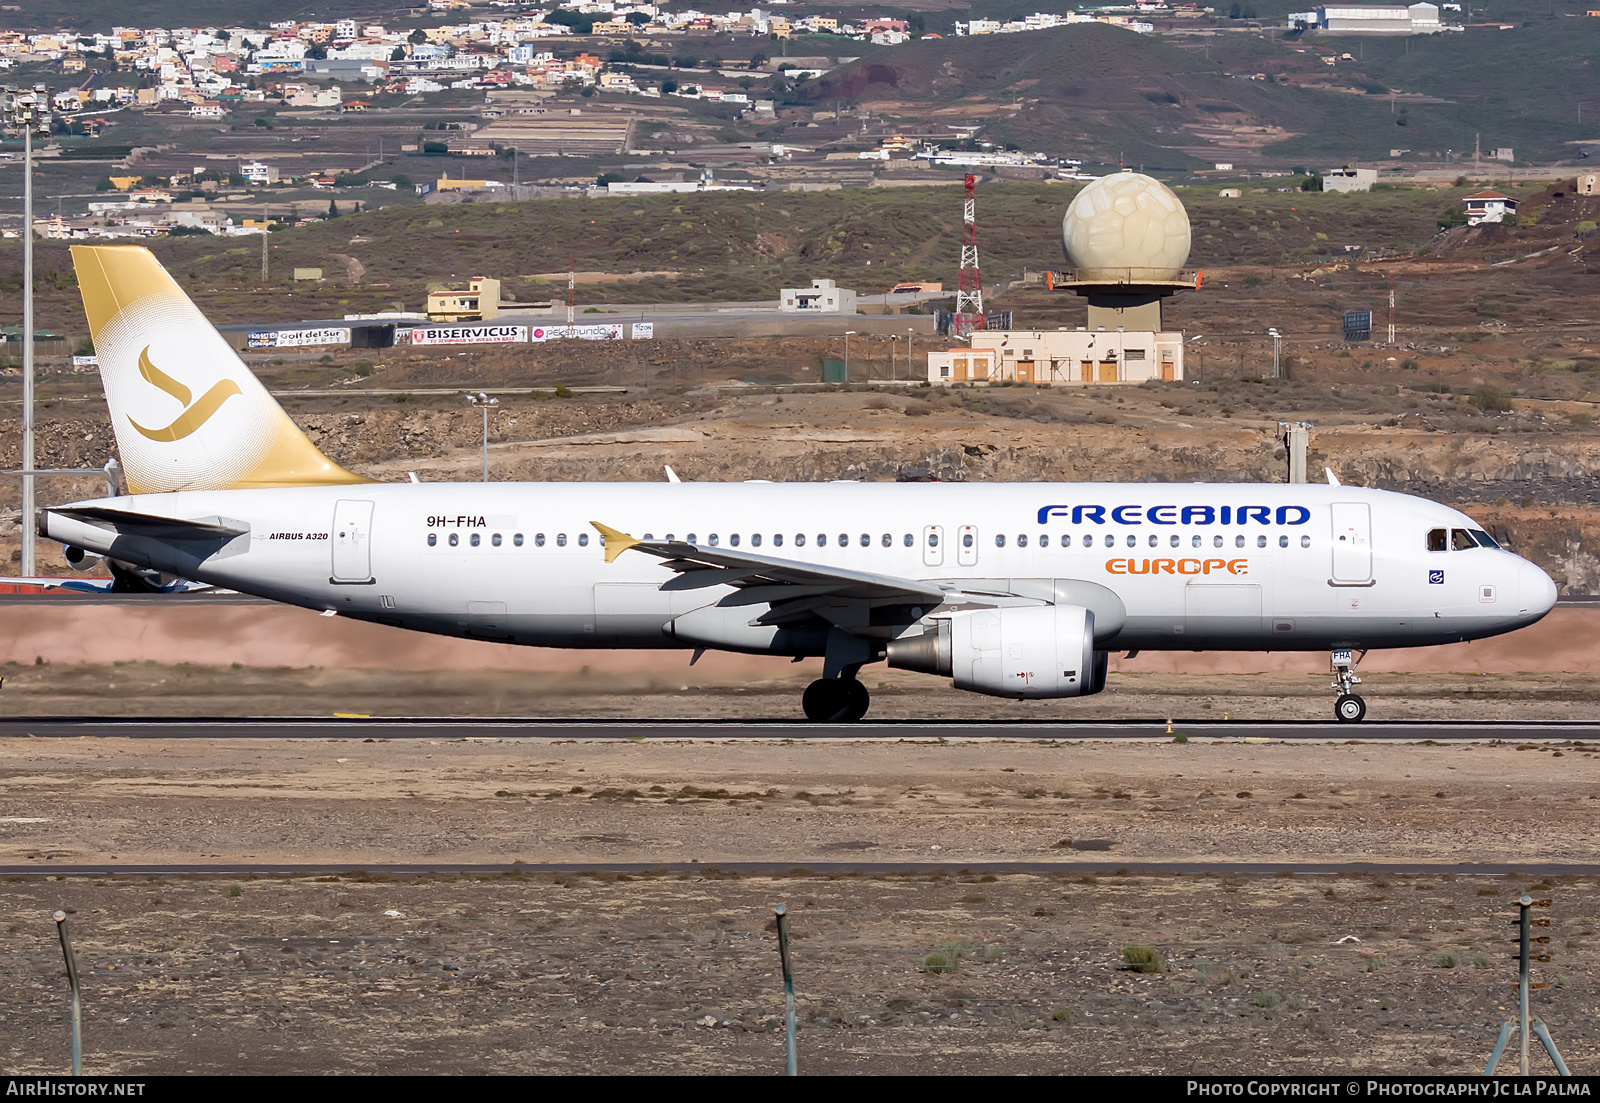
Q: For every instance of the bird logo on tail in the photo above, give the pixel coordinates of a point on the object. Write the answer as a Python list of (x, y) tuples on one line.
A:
[(193, 417)]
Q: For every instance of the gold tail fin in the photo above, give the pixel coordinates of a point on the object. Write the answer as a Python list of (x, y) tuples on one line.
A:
[(187, 413)]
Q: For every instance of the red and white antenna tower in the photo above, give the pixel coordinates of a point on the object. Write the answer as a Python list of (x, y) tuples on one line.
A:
[(969, 285)]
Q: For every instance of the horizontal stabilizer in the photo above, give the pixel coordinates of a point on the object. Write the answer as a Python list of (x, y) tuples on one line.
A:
[(127, 523)]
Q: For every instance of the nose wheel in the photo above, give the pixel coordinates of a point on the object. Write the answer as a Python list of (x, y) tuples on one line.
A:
[(835, 701), (1348, 708)]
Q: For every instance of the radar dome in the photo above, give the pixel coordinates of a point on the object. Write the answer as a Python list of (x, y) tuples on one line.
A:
[(1126, 227)]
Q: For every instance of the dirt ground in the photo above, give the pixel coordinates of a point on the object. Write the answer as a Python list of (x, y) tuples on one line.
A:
[(677, 972)]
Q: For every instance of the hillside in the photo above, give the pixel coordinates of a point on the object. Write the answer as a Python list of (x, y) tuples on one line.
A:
[(722, 246), (1097, 92)]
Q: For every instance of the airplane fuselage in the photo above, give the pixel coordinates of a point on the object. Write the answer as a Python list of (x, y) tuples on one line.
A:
[(1195, 566)]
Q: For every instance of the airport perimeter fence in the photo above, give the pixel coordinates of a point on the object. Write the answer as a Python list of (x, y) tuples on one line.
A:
[(997, 967)]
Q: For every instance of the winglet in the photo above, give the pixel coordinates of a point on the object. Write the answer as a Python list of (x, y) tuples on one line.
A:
[(1333, 480), (616, 542)]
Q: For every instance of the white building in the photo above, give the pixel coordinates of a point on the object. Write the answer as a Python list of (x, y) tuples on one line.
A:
[(1412, 19), (1349, 179), (1046, 357), (257, 172), (1489, 206), (822, 297)]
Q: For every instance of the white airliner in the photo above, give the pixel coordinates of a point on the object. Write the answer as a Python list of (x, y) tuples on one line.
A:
[(1017, 590)]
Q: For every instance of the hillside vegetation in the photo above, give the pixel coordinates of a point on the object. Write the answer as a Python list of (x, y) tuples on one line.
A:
[(728, 246), (1098, 93)]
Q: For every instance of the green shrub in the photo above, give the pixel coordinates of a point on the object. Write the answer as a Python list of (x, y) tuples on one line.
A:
[(1490, 399), (1266, 1000), (1587, 226), (1447, 960), (1143, 959), (1061, 1015)]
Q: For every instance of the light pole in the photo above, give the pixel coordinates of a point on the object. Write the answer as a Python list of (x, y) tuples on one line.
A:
[(849, 333), (1277, 361), (27, 110), (484, 402)]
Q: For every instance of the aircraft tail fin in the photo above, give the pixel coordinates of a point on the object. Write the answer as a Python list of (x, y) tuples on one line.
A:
[(187, 413)]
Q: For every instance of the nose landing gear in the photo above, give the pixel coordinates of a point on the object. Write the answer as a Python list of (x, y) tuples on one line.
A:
[(1348, 708), (841, 700)]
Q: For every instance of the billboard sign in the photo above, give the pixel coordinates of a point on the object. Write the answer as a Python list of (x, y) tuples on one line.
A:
[(643, 331), (577, 333), (296, 338), (1358, 325), (468, 335)]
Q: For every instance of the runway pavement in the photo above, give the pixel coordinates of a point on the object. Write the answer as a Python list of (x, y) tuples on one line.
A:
[(513, 728)]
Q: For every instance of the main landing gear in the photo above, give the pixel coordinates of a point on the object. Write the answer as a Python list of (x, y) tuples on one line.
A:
[(1348, 708), (841, 700)]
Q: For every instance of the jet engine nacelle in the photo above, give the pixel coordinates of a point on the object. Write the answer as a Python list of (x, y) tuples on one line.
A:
[(1026, 652)]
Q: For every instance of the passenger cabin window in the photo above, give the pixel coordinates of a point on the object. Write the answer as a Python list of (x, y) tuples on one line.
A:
[(755, 539), (714, 540), (583, 539), (799, 539), (909, 540), (538, 539), (966, 540), (1088, 540), (691, 538), (495, 539), (888, 541), (561, 539), (454, 539), (777, 540), (733, 541), (517, 539), (1461, 540), (433, 538), (1022, 540), (999, 540), (866, 540), (1436, 540), (476, 539)]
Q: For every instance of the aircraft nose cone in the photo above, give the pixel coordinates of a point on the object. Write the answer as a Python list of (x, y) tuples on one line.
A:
[(1536, 593)]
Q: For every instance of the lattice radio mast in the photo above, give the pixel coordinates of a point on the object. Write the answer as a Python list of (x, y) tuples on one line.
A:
[(969, 285)]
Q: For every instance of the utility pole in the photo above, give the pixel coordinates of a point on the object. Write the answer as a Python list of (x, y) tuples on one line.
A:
[(485, 403), (1277, 358), (27, 110)]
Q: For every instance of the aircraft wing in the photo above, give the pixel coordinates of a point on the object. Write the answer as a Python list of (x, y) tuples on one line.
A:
[(765, 579)]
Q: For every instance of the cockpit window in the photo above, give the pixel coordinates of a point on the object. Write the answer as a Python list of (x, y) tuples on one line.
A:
[(1461, 540), (1483, 538), (1437, 539)]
